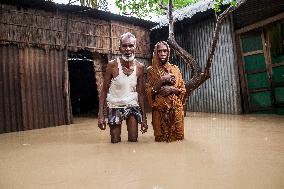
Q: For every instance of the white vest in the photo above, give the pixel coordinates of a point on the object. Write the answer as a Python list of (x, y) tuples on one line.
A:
[(122, 91)]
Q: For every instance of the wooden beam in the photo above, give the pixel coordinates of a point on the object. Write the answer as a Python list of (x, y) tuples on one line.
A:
[(257, 109), (110, 37), (267, 57), (259, 90), (278, 64), (261, 23), (253, 53), (240, 59), (256, 71)]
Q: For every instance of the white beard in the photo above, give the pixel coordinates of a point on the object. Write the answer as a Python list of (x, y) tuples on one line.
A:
[(128, 59)]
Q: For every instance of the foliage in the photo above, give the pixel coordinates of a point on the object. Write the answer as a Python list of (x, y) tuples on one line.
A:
[(143, 8), (89, 3), (97, 4), (220, 2)]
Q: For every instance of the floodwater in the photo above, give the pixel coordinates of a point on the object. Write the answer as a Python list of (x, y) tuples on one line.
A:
[(219, 152)]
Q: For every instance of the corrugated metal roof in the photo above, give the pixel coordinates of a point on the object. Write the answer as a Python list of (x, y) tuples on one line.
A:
[(189, 11)]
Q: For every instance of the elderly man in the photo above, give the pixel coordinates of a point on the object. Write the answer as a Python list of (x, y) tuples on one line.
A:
[(123, 91), (165, 93)]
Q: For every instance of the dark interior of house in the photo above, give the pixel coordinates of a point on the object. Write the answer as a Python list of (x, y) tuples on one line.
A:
[(83, 88)]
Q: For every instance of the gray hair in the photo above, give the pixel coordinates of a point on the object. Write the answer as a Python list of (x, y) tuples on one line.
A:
[(127, 35)]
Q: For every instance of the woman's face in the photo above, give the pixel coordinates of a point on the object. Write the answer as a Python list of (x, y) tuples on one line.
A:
[(162, 50)]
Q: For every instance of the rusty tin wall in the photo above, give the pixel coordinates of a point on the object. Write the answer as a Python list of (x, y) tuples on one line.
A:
[(31, 94)]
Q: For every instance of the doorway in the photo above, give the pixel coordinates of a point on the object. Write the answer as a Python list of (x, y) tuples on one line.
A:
[(83, 88), (263, 67)]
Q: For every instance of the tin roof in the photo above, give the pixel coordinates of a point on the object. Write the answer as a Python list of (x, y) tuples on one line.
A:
[(189, 11)]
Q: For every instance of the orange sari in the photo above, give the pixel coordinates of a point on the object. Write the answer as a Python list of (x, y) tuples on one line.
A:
[(167, 112)]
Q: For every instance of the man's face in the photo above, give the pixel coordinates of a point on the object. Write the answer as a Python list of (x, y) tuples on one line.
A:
[(128, 48), (162, 53)]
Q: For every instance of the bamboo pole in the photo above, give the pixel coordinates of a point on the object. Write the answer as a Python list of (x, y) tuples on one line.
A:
[(66, 85)]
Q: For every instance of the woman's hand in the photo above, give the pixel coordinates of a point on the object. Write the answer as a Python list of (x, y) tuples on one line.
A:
[(168, 79), (166, 90)]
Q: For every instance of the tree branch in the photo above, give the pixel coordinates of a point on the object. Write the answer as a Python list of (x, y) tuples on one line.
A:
[(163, 6), (197, 77), (216, 33)]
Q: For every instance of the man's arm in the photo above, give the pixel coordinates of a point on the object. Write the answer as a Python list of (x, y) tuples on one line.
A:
[(102, 100), (140, 91)]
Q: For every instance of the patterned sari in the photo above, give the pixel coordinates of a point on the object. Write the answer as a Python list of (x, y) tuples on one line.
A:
[(167, 112)]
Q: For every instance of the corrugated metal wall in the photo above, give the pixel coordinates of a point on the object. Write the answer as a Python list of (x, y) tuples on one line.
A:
[(10, 97), (220, 93), (31, 88)]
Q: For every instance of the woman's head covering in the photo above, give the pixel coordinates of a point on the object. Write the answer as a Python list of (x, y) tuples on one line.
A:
[(156, 61)]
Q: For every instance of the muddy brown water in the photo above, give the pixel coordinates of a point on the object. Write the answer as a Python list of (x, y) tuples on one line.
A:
[(219, 152)]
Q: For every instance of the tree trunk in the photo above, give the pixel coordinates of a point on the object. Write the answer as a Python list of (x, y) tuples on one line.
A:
[(198, 77)]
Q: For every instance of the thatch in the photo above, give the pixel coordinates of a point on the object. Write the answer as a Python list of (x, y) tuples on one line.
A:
[(32, 27)]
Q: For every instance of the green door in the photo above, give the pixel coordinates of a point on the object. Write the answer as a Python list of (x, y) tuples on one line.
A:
[(256, 73), (263, 66), (276, 41)]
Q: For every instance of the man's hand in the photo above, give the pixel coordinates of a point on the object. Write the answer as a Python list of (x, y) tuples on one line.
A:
[(101, 122), (144, 127)]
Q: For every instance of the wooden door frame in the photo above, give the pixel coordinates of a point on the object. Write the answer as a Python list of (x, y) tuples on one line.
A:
[(258, 26), (274, 65), (243, 81), (243, 74)]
